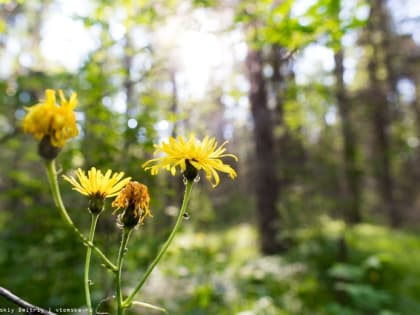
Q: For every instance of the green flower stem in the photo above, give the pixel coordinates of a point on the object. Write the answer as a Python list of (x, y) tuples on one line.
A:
[(87, 281), (165, 246), (124, 240), (52, 177)]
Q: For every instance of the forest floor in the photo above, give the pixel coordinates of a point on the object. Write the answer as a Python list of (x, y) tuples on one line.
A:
[(331, 269)]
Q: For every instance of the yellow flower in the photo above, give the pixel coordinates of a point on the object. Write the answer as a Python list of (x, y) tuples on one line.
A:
[(97, 186), (48, 119), (134, 200), (191, 156)]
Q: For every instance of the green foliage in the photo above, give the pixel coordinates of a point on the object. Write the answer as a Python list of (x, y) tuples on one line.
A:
[(214, 267), (204, 3), (279, 24), (368, 279), (219, 273)]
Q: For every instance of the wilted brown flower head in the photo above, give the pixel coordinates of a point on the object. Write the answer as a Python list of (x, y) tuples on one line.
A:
[(132, 204)]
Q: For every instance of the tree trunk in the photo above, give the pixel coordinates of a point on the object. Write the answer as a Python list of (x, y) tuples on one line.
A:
[(178, 187), (381, 114), (351, 172), (415, 105), (266, 183), (290, 152), (129, 93)]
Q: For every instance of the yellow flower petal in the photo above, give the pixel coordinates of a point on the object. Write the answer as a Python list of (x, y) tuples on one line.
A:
[(97, 185), (203, 154), (49, 119)]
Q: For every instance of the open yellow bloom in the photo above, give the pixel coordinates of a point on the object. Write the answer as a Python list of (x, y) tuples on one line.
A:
[(96, 184), (133, 203), (192, 155), (48, 119)]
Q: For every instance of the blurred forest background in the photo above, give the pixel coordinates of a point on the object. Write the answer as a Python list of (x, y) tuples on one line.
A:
[(320, 101)]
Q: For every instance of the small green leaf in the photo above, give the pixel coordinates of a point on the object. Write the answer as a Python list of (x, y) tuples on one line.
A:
[(151, 306)]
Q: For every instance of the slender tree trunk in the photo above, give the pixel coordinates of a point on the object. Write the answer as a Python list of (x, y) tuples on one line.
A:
[(177, 185), (266, 183), (416, 106), (290, 152), (174, 102), (351, 171), (284, 139), (381, 115), (129, 93)]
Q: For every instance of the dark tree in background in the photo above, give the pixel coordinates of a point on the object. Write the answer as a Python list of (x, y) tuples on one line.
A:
[(318, 99), (352, 190), (266, 183), (381, 103)]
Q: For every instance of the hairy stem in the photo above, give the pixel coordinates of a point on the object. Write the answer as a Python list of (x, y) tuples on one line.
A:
[(87, 281), (165, 246), (124, 240), (52, 177)]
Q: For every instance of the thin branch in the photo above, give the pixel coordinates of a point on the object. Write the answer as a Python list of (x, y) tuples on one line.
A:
[(29, 308), (288, 55)]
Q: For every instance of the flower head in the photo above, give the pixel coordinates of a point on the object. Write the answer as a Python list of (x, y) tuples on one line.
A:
[(191, 156), (47, 119), (97, 186), (133, 204)]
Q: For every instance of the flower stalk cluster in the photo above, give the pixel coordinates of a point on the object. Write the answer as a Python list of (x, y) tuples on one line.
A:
[(53, 125)]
